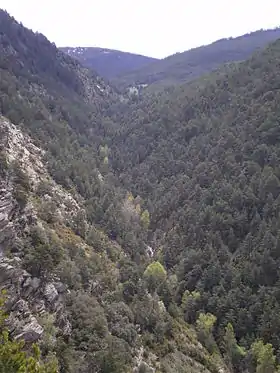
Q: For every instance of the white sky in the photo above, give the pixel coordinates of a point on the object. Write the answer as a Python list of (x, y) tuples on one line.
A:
[(155, 28)]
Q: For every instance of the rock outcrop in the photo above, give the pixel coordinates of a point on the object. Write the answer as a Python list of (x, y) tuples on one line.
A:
[(29, 298), (7, 210)]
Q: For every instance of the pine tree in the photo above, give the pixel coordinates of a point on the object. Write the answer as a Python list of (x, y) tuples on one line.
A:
[(233, 352), (264, 355), (155, 274)]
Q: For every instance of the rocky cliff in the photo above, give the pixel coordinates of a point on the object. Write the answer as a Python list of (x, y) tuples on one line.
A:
[(29, 297)]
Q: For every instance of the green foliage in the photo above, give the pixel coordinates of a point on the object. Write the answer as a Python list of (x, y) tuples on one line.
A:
[(43, 252), (105, 353), (116, 359), (204, 157), (61, 105), (233, 352), (145, 219), (205, 324), (155, 274), (264, 355), (190, 305), (48, 342), (47, 211), (203, 161)]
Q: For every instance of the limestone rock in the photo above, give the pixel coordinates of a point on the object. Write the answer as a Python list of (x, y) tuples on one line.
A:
[(7, 209), (50, 293), (28, 299), (31, 331)]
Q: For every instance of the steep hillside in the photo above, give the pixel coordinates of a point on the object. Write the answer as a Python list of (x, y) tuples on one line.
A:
[(139, 235), (70, 291), (60, 104), (108, 63), (205, 156), (32, 56), (80, 277), (188, 65)]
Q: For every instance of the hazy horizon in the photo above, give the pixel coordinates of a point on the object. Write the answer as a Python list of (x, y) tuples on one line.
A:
[(154, 29)]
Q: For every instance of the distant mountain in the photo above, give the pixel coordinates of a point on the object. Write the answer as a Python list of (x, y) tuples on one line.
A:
[(108, 63), (182, 67)]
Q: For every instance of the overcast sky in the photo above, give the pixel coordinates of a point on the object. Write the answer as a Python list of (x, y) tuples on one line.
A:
[(155, 28)]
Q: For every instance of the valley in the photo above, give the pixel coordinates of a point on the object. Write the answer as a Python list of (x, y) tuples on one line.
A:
[(139, 233)]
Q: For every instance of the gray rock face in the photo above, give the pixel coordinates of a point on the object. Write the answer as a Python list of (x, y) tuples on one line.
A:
[(28, 299), (50, 293), (25, 325), (7, 209)]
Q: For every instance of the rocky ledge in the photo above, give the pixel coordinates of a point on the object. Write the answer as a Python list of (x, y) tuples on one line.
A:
[(29, 299)]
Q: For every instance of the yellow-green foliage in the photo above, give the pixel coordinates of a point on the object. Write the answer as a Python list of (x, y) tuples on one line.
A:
[(145, 219), (204, 326), (264, 355), (233, 352), (156, 270), (206, 322), (155, 274)]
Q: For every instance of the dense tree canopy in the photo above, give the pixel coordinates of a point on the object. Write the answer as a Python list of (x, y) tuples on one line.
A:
[(205, 158), (100, 253), (177, 235)]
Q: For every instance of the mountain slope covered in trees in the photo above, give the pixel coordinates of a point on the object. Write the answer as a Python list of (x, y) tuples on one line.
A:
[(186, 66), (108, 63), (80, 277), (205, 157), (139, 234)]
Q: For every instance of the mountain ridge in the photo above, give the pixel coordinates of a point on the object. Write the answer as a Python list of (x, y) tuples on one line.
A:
[(188, 65), (108, 63)]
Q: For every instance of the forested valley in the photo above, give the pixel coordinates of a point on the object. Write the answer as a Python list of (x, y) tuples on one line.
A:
[(138, 232)]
